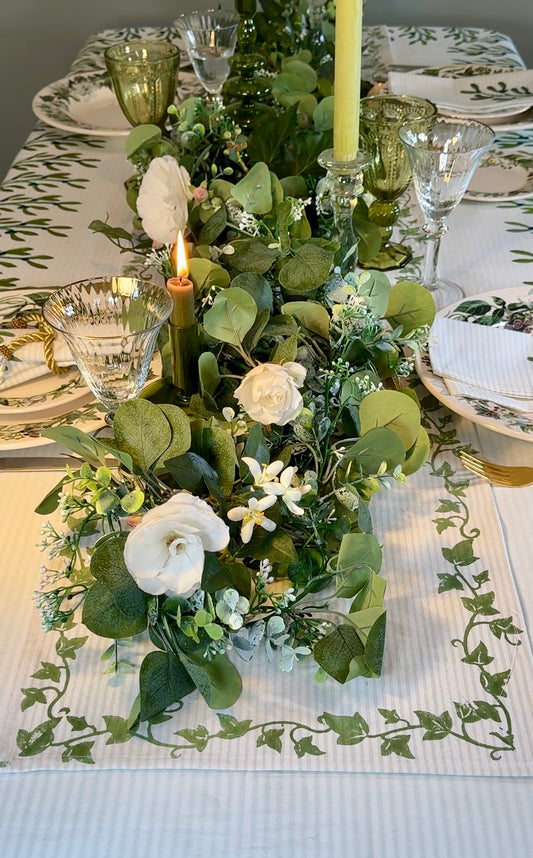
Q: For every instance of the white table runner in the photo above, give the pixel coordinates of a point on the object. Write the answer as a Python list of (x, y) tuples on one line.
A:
[(448, 708)]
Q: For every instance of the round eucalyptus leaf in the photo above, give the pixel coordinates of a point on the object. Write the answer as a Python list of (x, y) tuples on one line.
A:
[(393, 410), (231, 316)]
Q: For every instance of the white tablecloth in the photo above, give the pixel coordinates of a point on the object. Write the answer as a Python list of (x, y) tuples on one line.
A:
[(86, 813)]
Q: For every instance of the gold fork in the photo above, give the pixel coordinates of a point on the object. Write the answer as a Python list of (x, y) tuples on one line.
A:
[(510, 476)]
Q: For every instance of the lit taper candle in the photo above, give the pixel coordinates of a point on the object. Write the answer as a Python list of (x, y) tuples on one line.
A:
[(347, 81), (181, 289)]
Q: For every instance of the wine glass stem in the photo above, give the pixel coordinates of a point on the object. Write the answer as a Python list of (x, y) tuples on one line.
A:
[(434, 232)]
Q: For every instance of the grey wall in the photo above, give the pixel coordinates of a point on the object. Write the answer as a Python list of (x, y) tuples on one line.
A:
[(40, 38)]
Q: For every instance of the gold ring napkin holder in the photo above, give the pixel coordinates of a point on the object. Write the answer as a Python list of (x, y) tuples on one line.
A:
[(43, 333)]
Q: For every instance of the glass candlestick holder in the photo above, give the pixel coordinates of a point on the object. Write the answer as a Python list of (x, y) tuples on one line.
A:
[(247, 89), (336, 195)]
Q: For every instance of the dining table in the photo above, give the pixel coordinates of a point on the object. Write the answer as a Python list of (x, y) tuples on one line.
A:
[(432, 759)]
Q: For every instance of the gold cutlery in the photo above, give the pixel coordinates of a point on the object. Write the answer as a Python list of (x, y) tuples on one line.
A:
[(510, 476)]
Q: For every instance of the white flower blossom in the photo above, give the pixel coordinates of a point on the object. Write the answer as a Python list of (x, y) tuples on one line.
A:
[(162, 201), (253, 514), (165, 552), (269, 392)]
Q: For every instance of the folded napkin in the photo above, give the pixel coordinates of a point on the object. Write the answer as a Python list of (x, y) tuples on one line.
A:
[(483, 362), (496, 93), (28, 362)]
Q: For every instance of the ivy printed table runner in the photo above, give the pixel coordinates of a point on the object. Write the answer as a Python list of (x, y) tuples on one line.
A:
[(454, 696)]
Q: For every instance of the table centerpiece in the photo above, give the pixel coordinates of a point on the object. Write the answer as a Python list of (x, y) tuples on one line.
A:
[(239, 514)]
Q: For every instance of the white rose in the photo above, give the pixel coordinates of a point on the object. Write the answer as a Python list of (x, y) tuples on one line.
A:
[(165, 552), (269, 392), (162, 200)]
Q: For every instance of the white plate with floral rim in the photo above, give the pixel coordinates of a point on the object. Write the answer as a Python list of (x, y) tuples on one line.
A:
[(51, 400), (87, 104), (502, 175), (511, 308), (48, 396)]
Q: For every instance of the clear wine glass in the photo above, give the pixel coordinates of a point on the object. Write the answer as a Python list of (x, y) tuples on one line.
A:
[(210, 38), (110, 325), (443, 158)]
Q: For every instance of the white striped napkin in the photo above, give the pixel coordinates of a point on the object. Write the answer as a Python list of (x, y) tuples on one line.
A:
[(483, 362), (30, 363), (502, 92)]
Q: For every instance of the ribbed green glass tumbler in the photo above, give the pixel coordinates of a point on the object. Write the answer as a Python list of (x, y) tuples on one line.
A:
[(143, 73)]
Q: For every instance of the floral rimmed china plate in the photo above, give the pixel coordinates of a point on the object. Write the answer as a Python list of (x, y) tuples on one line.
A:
[(502, 176), (48, 396), (86, 104), (512, 308)]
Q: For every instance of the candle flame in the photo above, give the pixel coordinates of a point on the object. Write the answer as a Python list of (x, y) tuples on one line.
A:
[(180, 257)]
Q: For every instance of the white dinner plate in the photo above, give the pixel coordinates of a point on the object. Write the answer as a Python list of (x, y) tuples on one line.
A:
[(501, 176), (87, 104), (51, 400), (511, 307)]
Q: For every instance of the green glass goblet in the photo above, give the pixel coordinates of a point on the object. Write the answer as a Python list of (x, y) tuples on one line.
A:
[(143, 74), (388, 174)]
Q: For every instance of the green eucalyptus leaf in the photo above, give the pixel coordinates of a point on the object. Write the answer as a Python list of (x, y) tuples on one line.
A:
[(252, 255), (417, 455), (253, 192), (375, 286), (306, 103), (307, 270), (286, 350), (208, 373), (217, 680), (142, 430), (105, 502), (213, 227), (294, 186), (256, 331), (132, 502), (50, 502), (78, 442), (323, 114), (219, 574), (219, 450), (258, 287), (222, 188), (296, 75), (313, 316), (334, 652), (163, 680), (410, 305), (231, 315), (374, 447), (359, 556), (393, 410), (114, 607), (205, 274), (180, 428), (142, 137)]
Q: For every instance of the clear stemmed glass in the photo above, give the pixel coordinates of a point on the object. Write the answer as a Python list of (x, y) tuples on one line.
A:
[(110, 325), (210, 38), (443, 158), (388, 171)]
